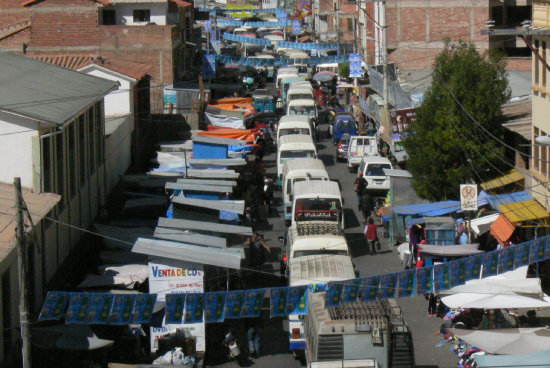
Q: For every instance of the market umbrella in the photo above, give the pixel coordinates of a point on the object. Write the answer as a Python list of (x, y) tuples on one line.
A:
[(539, 359), (68, 337), (324, 76), (506, 340)]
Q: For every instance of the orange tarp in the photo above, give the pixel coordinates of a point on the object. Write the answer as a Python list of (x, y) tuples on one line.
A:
[(502, 229), (242, 134), (235, 103)]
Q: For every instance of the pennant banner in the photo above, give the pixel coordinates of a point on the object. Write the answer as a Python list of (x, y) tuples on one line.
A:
[(406, 283), (282, 23), (538, 247), (441, 277), (229, 23), (266, 10), (523, 252), (351, 291), (194, 307), (369, 288), (77, 311), (296, 302), (253, 301), (473, 267), (226, 59), (388, 283), (490, 263), (143, 308), (506, 259), (333, 294), (306, 45), (214, 306), (458, 272), (277, 301), (244, 39), (424, 280), (174, 308), (234, 304), (54, 306), (100, 308)]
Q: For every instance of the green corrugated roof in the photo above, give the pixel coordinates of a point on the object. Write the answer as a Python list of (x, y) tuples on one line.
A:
[(46, 92)]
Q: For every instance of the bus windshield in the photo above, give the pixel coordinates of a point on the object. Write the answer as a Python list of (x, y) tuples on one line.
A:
[(294, 131), (302, 110), (297, 154)]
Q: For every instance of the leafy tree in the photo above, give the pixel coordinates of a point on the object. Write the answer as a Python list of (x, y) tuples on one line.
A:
[(343, 70), (446, 148)]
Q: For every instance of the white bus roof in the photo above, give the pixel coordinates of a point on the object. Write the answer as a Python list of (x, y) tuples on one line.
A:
[(321, 242), (293, 118), (295, 139), (316, 188), (300, 89), (312, 164), (376, 160), (294, 124), (320, 269)]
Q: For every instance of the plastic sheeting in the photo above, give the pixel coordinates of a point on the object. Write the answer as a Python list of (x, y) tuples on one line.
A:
[(538, 359), (225, 121), (397, 97)]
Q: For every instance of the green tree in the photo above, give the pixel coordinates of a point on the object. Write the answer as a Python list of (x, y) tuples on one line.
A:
[(446, 148), (343, 70)]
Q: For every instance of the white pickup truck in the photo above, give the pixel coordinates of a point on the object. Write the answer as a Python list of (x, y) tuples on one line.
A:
[(360, 146)]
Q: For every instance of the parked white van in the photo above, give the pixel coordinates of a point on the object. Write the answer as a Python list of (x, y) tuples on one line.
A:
[(317, 201), (360, 146), (290, 120), (294, 171), (292, 146), (299, 92), (294, 127), (372, 168)]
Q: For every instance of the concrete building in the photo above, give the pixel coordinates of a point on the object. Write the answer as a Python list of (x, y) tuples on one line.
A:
[(154, 32), (52, 136), (539, 168)]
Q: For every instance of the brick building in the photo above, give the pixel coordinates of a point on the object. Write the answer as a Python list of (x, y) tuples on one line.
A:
[(155, 32), (417, 29)]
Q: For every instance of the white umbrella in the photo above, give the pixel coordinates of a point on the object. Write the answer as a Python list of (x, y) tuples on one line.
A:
[(506, 340), (495, 301)]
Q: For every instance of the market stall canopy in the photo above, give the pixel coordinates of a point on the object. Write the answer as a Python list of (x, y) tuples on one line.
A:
[(227, 258), (513, 176), (538, 359), (502, 229), (122, 275), (506, 340), (222, 205), (230, 133), (217, 174), (524, 211), (218, 140), (324, 76), (68, 337), (505, 198), (200, 187), (208, 182), (204, 226), (439, 223), (218, 161), (186, 236), (458, 250), (481, 225), (495, 301)]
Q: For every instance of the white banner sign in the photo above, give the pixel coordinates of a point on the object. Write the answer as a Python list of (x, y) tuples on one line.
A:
[(468, 197), (170, 276)]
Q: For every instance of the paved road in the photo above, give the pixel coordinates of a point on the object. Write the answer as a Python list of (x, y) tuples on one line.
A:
[(275, 341)]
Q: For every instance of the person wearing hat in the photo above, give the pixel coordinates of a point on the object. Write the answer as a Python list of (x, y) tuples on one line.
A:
[(268, 194), (248, 218)]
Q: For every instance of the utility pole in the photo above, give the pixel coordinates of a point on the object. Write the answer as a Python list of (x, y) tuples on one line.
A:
[(337, 8), (385, 56), (22, 265)]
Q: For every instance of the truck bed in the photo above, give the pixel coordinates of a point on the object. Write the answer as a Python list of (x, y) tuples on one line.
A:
[(320, 269)]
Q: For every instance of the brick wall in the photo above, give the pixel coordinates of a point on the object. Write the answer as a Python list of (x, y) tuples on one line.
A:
[(518, 63)]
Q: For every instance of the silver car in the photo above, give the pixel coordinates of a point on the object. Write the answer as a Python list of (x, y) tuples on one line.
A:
[(342, 147)]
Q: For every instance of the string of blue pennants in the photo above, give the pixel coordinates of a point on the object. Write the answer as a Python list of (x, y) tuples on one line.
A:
[(267, 10), (239, 23), (227, 59), (282, 44), (118, 309), (244, 39)]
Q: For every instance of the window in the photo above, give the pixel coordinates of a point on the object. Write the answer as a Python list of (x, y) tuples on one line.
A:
[(497, 15), (83, 173), (71, 140), (46, 159), (60, 168), (350, 24), (142, 15), (108, 17), (91, 141), (536, 78), (543, 158)]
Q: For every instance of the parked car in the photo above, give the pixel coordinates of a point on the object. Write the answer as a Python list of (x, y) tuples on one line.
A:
[(342, 147), (343, 124)]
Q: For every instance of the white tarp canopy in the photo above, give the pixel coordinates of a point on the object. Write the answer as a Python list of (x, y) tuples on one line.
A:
[(200, 187), (204, 226), (495, 301), (506, 340), (186, 236), (207, 182), (456, 250), (481, 225), (218, 140), (538, 359), (234, 206), (225, 121), (219, 174), (218, 161), (228, 258), (123, 275)]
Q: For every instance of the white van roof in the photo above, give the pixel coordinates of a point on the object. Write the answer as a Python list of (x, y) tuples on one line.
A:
[(287, 69), (303, 163), (300, 84), (302, 102), (299, 90), (294, 124), (293, 118), (316, 187), (320, 269), (295, 139), (376, 160)]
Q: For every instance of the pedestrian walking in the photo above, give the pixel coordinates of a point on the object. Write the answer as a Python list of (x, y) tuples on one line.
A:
[(371, 234), (432, 304), (260, 148), (268, 194), (253, 333), (360, 186), (366, 204), (248, 218), (257, 247)]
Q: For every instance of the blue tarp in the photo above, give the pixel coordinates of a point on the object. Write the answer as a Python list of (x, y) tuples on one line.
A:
[(428, 209), (538, 359), (500, 199), (415, 221)]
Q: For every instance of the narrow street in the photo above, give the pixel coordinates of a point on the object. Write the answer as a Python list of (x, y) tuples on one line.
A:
[(275, 340)]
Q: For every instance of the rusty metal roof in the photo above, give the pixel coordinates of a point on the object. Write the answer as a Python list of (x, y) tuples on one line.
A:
[(517, 117)]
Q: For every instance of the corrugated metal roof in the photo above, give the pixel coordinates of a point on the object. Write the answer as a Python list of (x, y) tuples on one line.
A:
[(46, 92), (524, 211), (228, 258), (190, 237), (200, 187), (218, 140), (204, 226), (219, 174), (223, 205), (320, 269), (517, 117), (218, 161), (232, 183), (511, 177)]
